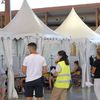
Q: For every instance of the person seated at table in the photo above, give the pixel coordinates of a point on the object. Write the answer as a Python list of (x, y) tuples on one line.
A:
[(22, 83), (49, 78), (76, 74), (2, 83)]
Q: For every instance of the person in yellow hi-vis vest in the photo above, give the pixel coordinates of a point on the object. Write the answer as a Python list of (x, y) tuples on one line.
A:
[(63, 74)]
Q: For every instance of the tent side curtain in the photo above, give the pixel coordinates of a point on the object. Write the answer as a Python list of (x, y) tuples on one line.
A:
[(84, 47), (7, 45), (82, 57)]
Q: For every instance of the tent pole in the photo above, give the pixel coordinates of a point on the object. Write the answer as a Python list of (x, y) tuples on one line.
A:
[(46, 18), (7, 12), (97, 17)]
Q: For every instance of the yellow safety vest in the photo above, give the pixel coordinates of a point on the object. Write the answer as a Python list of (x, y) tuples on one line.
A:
[(64, 77)]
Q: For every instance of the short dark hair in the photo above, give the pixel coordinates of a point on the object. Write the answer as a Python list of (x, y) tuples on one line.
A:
[(76, 62), (32, 44)]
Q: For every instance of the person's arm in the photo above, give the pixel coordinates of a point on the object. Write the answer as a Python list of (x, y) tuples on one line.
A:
[(77, 73), (23, 69), (75, 69), (55, 73), (58, 69), (93, 70), (24, 66), (45, 67)]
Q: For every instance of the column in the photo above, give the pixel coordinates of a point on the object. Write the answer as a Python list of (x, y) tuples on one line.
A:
[(97, 17), (7, 12), (46, 18)]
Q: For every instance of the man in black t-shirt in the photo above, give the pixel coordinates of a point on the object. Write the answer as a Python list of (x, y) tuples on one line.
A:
[(96, 72), (97, 68)]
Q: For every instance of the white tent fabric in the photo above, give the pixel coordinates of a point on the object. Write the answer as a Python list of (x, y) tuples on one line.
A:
[(49, 51), (26, 22), (27, 26), (74, 28), (82, 50), (1, 53), (1, 45), (66, 46), (7, 47), (98, 30), (9, 62)]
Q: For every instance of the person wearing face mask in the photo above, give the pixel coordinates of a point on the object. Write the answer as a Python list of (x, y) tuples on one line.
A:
[(96, 72), (63, 74)]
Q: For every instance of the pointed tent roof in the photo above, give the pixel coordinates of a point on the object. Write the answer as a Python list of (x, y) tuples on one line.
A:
[(6, 34), (74, 28), (98, 30), (26, 22)]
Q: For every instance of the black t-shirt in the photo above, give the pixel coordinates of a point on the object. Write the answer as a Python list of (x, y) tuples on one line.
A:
[(91, 61), (97, 65)]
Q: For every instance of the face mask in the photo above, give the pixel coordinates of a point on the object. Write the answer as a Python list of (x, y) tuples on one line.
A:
[(57, 58)]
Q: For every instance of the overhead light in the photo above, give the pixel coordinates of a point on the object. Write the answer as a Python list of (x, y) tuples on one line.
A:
[(3, 2)]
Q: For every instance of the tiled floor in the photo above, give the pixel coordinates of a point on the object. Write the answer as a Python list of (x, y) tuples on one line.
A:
[(81, 94), (73, 94)]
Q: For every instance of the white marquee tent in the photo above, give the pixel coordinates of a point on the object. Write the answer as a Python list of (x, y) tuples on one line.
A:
[(98, 30), (84, 38), (27, 24), (27, 27), (6, 52), (74, 27)]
